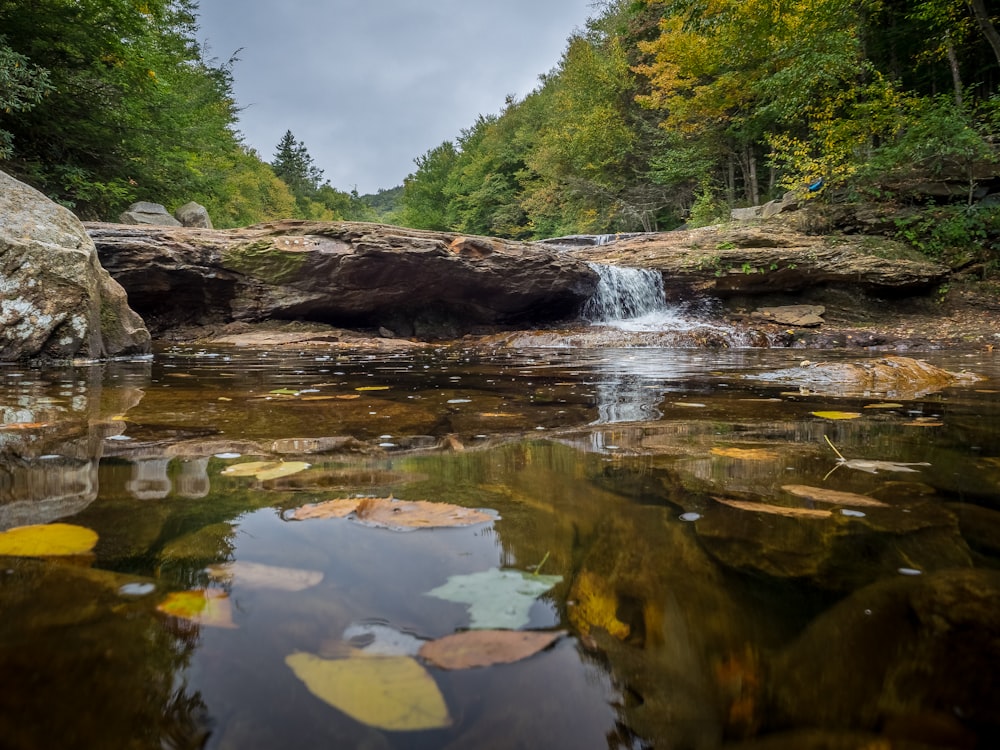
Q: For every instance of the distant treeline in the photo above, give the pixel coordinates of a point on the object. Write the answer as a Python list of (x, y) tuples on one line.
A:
[(659, 112), (670, 111), (106, 102)]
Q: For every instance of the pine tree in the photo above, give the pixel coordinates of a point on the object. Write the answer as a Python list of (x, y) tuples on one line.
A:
[(293, 164)]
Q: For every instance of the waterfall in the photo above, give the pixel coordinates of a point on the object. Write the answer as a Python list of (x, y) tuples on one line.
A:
[(624, 294)]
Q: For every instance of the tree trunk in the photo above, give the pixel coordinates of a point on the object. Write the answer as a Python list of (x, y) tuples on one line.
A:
[(978, 8), (752, 177), (956, 75)]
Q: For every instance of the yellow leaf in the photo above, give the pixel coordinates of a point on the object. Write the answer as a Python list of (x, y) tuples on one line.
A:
[(387, 692), (47, 540), (373, 388), (836, 414), (201, 606), (596, 606), (746, 454), (265, 470)]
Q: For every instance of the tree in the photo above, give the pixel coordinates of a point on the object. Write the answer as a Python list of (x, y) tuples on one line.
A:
[(425, 202), (293, 164), (133, 109), (22, 86)]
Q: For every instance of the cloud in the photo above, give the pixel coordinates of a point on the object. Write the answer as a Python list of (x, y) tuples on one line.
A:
[(370, 86)]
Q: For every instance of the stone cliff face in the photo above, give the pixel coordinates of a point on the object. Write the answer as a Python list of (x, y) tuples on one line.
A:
[(409, 281), (769, 258), (56, 301)]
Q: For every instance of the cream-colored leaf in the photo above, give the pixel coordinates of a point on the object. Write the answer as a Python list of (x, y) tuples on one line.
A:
[(387, 692), (265, 470), (775, 510), (256, 575)]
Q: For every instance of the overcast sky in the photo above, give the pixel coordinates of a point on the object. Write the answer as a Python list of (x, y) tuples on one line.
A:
[(369, 85)]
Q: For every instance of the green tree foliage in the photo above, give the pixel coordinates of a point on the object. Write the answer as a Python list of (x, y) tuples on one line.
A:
[(314, 198), (424, 200), (105, 102), (22, 85), (293, 164), (662, 109)]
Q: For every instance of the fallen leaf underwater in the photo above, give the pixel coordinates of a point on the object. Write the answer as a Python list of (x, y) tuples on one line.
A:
[(47, 540), (496, 599), (387, 692)]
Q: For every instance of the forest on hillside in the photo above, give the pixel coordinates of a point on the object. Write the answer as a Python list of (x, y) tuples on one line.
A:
[(669, 111), (106, 102), (659, 113)]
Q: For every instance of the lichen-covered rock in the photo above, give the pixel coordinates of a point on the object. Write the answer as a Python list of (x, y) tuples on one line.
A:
[(56, 301), (144, 212)]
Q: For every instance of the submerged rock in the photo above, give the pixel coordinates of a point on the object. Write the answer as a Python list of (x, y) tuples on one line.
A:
[(896, 651), (827, 547), (898, 377), (56, 301)]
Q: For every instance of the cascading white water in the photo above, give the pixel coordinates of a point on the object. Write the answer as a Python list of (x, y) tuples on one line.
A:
[(624, 293), (632, 299)]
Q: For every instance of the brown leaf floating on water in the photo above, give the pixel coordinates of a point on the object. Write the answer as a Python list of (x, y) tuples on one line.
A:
[(484, 648), (774, 510), (834, 497), (390, 513)]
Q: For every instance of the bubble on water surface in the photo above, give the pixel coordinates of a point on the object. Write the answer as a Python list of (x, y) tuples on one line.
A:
[(137, 589)]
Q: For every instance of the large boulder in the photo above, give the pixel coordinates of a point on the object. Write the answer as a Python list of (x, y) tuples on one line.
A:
[(152, 214), (407, 281), (55, 299), (194, 215)]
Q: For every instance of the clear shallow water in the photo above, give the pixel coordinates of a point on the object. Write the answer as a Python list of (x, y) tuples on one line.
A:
[(690, 622)]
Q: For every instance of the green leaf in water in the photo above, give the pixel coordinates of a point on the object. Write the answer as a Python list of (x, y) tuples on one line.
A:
[(497, 599)]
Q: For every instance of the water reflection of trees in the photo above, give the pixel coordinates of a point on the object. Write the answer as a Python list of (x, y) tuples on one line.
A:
[(86, 667)]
